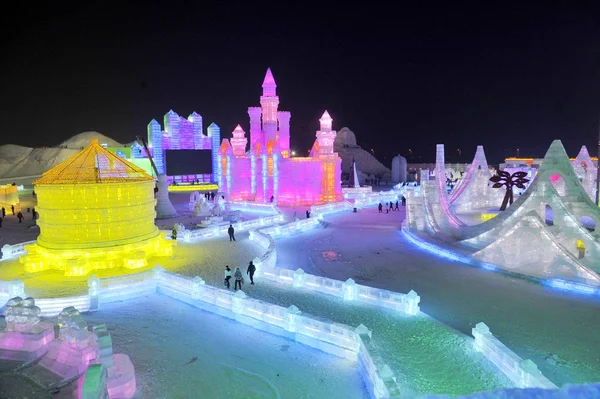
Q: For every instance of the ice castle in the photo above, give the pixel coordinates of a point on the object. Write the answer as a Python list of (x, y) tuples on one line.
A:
[(267, 172)]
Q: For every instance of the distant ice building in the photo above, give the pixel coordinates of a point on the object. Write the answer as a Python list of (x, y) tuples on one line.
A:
[(398, 169), (180, 133), (267, 172)]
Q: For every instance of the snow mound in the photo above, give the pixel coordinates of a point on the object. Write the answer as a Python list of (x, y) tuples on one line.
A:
[(345, 137), (82, 140), (346, 147), (18, 161)]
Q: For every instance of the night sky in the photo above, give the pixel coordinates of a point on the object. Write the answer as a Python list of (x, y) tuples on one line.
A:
[(400, 78)]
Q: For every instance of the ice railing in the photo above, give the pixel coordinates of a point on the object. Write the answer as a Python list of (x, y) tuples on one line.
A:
[(352, 192), (348, 290), (253, 207), (336, 339), (524, 373), (11, 251), (368, 199), (190, 236)]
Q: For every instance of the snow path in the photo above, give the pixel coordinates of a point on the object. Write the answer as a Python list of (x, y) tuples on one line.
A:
[(557, 330), (162, 336)]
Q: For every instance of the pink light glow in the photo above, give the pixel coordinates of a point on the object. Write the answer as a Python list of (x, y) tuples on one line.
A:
[(268, 173)]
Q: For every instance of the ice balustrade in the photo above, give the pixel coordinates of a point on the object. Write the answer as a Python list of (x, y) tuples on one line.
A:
[(524, 373), (254, 206), (336, 339), (190, 236), (353, 192), (370, 362), (348, 290), (11, 289), (12, 251), (362, 201)]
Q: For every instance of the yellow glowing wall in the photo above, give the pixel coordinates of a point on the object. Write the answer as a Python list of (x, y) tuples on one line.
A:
[(95, 215), (9, 195)]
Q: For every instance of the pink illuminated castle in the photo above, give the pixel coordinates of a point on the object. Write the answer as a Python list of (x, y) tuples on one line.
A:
[(267, 171)]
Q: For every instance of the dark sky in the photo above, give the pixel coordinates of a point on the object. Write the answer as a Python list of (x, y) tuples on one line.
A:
[(508, 77)]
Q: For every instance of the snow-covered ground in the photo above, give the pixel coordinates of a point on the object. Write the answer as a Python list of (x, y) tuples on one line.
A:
[(182, 352), (557, 331)]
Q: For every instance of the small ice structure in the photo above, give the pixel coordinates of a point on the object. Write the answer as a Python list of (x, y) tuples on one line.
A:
[(473, 190), (586, 172), (76, 349), (194, 199), (25, 338)]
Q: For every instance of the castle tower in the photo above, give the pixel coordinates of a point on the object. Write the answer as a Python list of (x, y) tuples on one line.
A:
[(239, 141), (284, 132), (214, 132), (326, 136), (171, 122), (156, 145), (256, 134), (196, 120), (269, 103)]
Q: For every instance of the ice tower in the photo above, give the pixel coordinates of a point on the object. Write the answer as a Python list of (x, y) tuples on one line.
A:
[(267, 172)]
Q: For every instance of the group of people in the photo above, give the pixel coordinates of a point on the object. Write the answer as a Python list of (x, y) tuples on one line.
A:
[(238, 277), (19, 215), (210, 196), (390, 206)]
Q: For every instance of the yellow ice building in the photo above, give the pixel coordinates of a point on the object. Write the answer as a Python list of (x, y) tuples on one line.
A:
[(96, 211)]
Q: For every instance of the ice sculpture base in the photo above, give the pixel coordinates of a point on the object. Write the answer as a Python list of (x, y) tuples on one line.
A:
[(80, 262), (18, 347), (121, 377), (63, 362)]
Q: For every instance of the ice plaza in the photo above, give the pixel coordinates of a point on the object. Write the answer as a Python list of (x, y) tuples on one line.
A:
[(484, 285)]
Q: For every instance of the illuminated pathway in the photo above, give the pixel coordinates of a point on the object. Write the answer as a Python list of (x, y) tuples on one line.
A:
[(426, 356), (558, 331)]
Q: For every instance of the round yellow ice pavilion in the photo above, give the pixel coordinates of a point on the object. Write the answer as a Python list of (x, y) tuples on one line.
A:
[(96, 211)]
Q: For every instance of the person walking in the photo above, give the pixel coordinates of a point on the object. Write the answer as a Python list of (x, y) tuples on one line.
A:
[(32, 213), (20, 217), (13, 209), (403, 200), (250, 271), (380, 207), (397, 206), (174, 233), (239, 278), (231, 232), (391, 206), (1, 221), (3, 211), (387, 208), (227, 277), (308, 214)]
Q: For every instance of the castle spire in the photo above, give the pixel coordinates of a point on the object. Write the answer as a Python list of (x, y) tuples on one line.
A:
[(326, 122), (269, 86)]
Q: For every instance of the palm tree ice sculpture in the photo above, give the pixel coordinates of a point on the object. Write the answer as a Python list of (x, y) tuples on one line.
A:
[(503, 178)]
